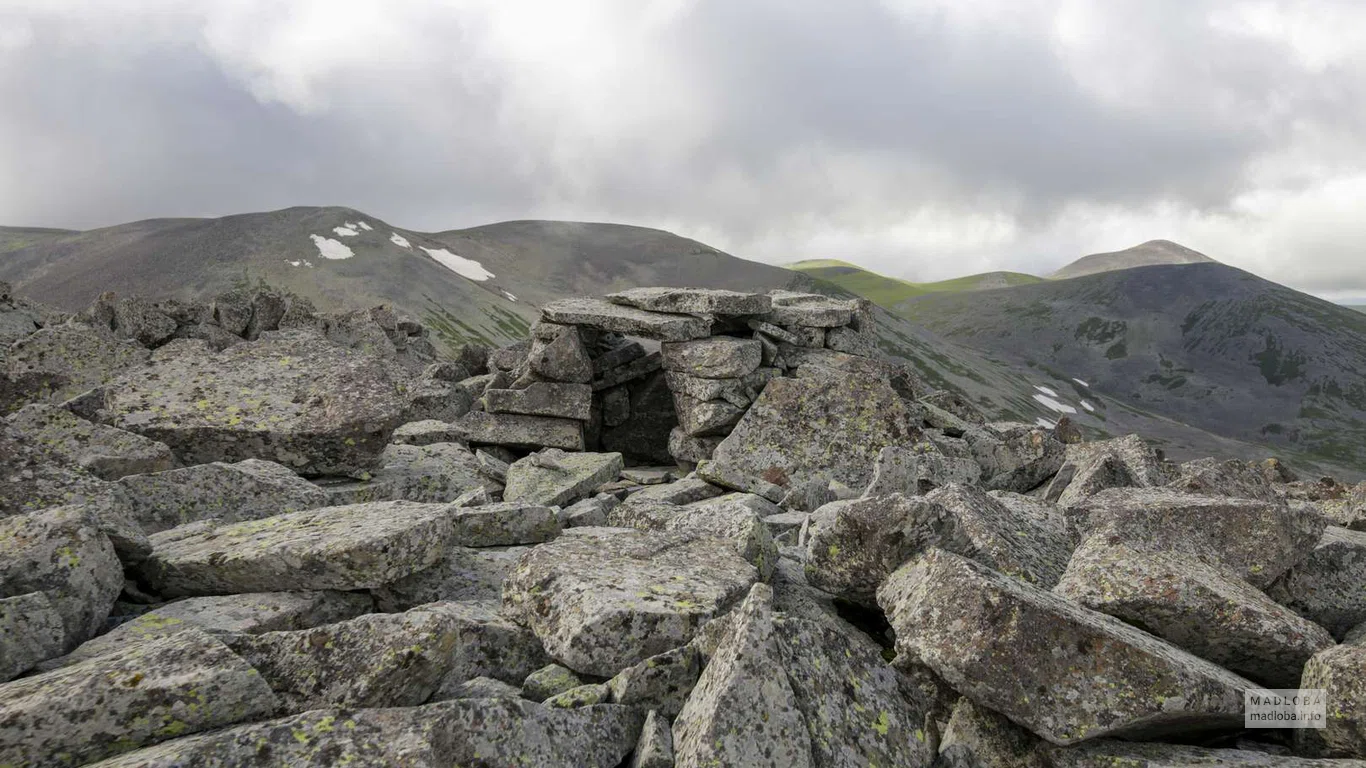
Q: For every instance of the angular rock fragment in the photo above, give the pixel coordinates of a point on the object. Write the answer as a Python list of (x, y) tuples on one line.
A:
[(32, 478), (689, 490), (31, 631), (832, 426), (508, 731), (550, 680), (556, 478), (603, 599), (637, 368), (227, 493), (353, 547), (703, 418), (63, 361), (425, 432), (718, 357), (1341, 673), (809, 309), (1328, 587), (462, 573), (1018, 459), (1257, 540), (693, 301), (481, 688), (105, 452), (661, 682), (726, 476), (621, 354), (142, 695), (561, 357), (1105, 753), (916, 472), (1234, 479), (543, 398), (1007, 538), (685, 447), (433, 473), (517, 431), (977, 737), (61, 554), (629, 321), (1064, 672), (1194, 606), (655, 749), (1089, 468), (851, 342)]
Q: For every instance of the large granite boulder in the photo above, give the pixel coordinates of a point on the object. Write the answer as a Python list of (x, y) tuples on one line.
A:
[(555, 478), (104, 451), (34, 478), (60, 362), (294, 398), (1328, 586), (602, 599), (1064, 672), (461, 573), (31, 631), (1341, 673), (222, 492)]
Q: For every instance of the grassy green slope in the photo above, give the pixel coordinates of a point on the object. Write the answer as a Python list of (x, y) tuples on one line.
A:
[(887, 292)]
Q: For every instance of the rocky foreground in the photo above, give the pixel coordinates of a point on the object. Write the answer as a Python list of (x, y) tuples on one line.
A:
[(673, 527)]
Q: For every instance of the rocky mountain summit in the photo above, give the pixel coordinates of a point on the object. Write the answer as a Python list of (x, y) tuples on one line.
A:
[(673, 527)]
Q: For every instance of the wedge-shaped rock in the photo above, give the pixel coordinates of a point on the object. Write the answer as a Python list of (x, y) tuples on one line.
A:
[(918, 470), (629, 321), (1256, 540), (689, 490), (556, 478), (809, 309), (435, 473), (65, 360), (227, 614), (227, 493), (507, 732), (143, 695), (655, 749), (518, 431), (1329, 586), (693, 301), (1107, 753), (852, 546), (1089, 468), (1062, 671), (557, 354), (31, 631), (33, 478), (1341, 673), (743, 711), (377, 660), (727, 476), (488, 645), (1019, 458), (1233, 478), (103, 451), (857, 710), (324, 738), (1195, 606), (462, 573), (358, 546), (686, 448), (661, 682), (739, 391), (294, 398), (60, 553), (738, 518), (1008, 538), (719, 357), (831, 426), (704, 418), (544, 398), (976, 737), (602, 599)]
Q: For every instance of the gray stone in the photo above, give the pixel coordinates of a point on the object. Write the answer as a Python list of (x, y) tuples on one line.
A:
[(492, 466), (1235, 479), (61, 554), (582, 696), (740, 391), (603, 599), (550, 680), (1089, 468), (507, 358), (1326, 586), (462, 573), (517, 431), (436, 400), (105, 452), (353, 547), (63, 361), (685, 447), (616, 406), (917, 470), (1255, 540), (693, 301), (483, 688), (851, 342), (433, 473), (294, 398), (588, 512), (1105, 753), (487, 644), (954, 403), (562, 357), (1008, 538), (741, 712), (619, 355), (505, 524), (809, 309), (425, 432), (606, 316), (498, 732), (555, 478), (1019, 459), (1064, 672), (31, 631), (543, 398), (650, 475), (142, 695), (661, 682), (224, 614), (32, 478), (227, 493), (808, 337), (1194, 606), (737, 518), (718, 357), (1341, 673), (631, 371), (689, 490), (655, 749), (977, 737), (831, 426), (703, 418), (727, 476)]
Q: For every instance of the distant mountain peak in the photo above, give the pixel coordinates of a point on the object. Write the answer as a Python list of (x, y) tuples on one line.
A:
[(1149, 254)]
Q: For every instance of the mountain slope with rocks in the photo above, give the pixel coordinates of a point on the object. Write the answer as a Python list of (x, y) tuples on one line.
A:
[(673, 527)]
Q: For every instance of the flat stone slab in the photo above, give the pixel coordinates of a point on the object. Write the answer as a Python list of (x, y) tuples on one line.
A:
[(229, 493), (425, 432), (693, 301), (518, 431), (70, 359), (509, 731), (602, 599), (1341, 673), (809, 309), (606, 316), (543, 398), (740, 391), (462, 573), (1064, 672), (718, 357), (433, 473), (142, 695), (104, 451), (1006, 537), (359, 546), (555, 478)]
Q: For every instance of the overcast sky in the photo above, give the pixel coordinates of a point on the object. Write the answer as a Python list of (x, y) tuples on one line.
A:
[(921, 138)]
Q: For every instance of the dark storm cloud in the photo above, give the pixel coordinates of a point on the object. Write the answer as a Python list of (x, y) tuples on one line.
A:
[(921, 138)]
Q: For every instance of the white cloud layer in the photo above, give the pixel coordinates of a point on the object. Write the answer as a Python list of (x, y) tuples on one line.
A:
[(922, 138)]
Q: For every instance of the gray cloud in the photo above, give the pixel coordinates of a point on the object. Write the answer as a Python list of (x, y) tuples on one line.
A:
[(922, 139)]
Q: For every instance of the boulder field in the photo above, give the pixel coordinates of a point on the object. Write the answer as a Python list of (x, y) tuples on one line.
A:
[(673, 527)]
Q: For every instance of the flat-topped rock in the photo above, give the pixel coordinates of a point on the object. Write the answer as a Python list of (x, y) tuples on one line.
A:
[(33, 478), (1328, 587), (555, 478), (433, 473), (718, 357), (65, 360), (606, 316), (462, 573), (425, 432), (693, 301), (228, 493), (104, 451), (809, 309), (519, 431), (543, 398), (1064, 672)]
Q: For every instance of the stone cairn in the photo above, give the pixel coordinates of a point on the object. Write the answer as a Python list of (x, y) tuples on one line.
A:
[(241, 533)]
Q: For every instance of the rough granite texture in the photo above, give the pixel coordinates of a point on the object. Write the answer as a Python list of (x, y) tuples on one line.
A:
[(693, 301), (555, 478), (606, 316), (104, 451), (222, 492), (518, 431), (1326, 586), (31, 631)]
